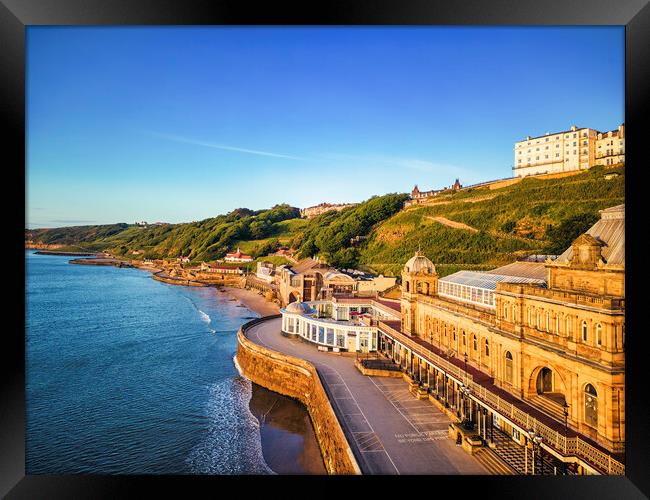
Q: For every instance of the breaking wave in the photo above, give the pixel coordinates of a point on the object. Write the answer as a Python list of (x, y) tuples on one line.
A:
[(232, 444)]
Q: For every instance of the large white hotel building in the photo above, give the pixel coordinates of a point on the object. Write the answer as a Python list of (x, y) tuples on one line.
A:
[(570, 150)]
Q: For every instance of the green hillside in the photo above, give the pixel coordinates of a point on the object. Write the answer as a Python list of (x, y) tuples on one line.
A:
[(208, 239), (534, 216), (475, 228)]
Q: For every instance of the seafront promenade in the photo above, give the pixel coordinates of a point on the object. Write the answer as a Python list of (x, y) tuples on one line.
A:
[(389, 431)]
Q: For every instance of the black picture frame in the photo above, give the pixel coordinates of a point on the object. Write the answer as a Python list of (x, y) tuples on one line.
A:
[(15, 15)]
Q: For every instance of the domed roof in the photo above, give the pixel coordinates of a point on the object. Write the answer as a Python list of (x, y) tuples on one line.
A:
[(419, 264), (299, 308)]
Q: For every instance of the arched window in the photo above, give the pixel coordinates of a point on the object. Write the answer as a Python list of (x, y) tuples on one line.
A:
[(487, 347), (445, 330), (568, 326), (453, 333), (557, 324), (407, 286), (584, 331), (505, 310), (514, 313), (591, 406), (548, 321), (530, 318), (508, 367), (464, 338), (599, 334), (474, 342)]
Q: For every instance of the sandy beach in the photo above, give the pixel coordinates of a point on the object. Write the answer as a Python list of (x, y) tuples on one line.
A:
[(254, 301), (289, 443)]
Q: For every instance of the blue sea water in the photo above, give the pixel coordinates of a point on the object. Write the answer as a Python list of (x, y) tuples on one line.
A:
[(127, 375)]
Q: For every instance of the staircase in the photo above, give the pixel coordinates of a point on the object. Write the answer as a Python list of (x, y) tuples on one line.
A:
[(488, 459), (547, 405)]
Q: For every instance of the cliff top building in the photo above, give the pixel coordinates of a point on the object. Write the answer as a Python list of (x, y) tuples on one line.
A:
[(418, 196), (310, 212), (567, 151)]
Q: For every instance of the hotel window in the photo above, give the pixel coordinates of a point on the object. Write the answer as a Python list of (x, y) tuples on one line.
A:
[(487, 347), (464, 338), (599, 333), (574, 143), (508, 367), (584, 331), (474, 344), (591, 406)]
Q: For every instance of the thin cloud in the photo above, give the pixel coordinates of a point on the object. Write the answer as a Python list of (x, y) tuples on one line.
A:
[(224, 147), (409, 163), (73, 221)]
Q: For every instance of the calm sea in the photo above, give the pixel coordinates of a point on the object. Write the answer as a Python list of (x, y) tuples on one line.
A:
[(128, 375)]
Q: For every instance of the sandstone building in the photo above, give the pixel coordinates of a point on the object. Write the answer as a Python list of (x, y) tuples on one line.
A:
[(528, 350), (418, 196), (314, 279)]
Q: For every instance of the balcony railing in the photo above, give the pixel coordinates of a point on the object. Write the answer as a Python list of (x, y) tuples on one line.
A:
[(567, 446)]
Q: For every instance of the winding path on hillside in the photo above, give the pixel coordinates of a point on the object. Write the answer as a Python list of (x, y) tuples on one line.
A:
[(451, 223)]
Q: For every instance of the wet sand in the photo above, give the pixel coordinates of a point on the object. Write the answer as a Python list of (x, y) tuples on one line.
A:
[(253, 300), (289, 443)]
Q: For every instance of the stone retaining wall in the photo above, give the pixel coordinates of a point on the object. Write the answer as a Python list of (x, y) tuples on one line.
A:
[(298, 379), (176, 281)]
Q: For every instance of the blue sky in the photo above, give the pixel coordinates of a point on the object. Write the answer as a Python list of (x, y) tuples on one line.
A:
[(182, 123)]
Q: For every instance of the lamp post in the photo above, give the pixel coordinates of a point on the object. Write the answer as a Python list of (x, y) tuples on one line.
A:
[(566, 429), (465, 356), (466, 391), (536, 439)]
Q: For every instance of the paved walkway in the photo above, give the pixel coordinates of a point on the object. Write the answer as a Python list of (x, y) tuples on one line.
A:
[(391, 431)]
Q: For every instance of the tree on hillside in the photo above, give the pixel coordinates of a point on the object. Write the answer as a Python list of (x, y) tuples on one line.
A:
[(561, 236)]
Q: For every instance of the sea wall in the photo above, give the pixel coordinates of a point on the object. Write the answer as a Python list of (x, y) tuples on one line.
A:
[(298, 379), (176, 281)]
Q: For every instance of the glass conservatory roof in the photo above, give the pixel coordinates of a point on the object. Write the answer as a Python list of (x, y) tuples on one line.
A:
[(486, 281)]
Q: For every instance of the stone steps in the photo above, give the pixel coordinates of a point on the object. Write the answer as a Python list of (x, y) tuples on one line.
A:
[(493, 463), (551, 408)]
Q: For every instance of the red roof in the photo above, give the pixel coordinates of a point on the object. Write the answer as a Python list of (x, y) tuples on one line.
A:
[(238, 255)]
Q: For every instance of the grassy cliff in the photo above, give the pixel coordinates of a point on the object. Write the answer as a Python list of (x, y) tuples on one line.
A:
[(494, 227)]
